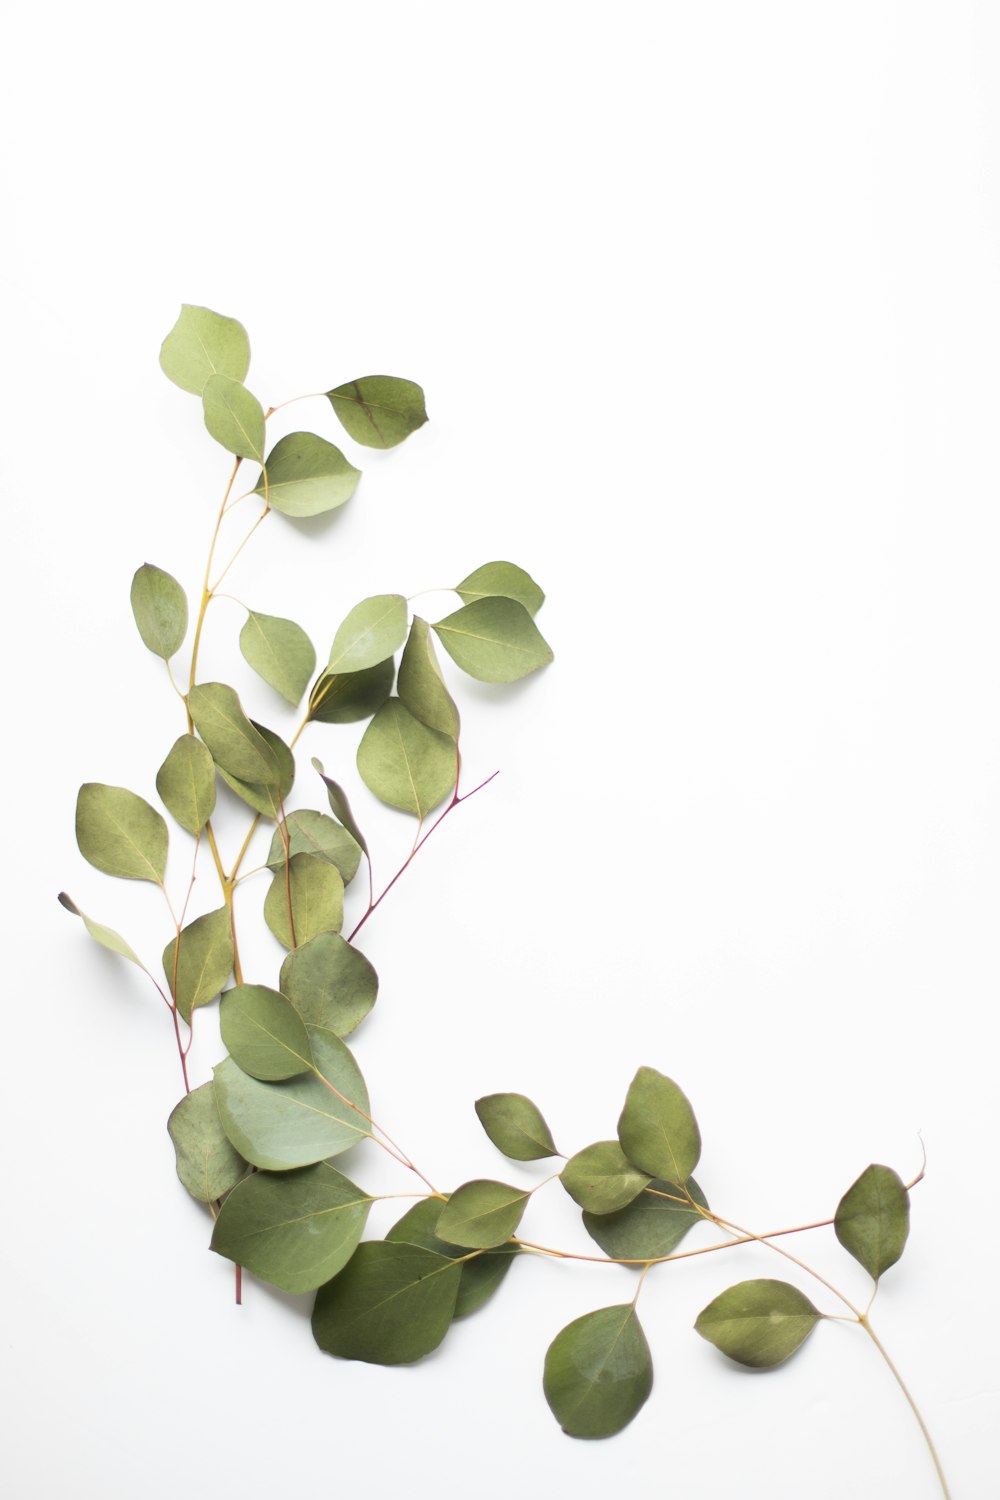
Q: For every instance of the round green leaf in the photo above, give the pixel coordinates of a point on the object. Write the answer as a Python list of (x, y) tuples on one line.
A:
[(650, 1226), (120, 833), (339, 805), (494, 640), (106, 936), (330, 983), (186, 783), (280, 652), (264, 1033), (266, 797), (379, 410), (758, 1323), (598, 1372), (873, 1219), (390, 1305), (481, 1276), (293, 1229), (657, 1128), (515, 1126), (348, 697), (235, 744), (160, 609), (502, 579), (601, 1179), (305, 900), (207, 1165), (201, 344), (404, 763), (198, 963), (421, 686), (278, 1126), (307, 476), (314, 833), (370, 633), (233, 416), (482, 1214)]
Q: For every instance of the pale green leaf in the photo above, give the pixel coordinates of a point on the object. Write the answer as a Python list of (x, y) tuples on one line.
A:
[(264, 1033), (264, 797), (482, 1214), (404, 763), (515, 1126), (390, 1305), (201, 344), (234, 417), (501, 579), (494, 640), (653, 1224), (339, 805), (601, 1179), (160, 608), (421, 686), (308, 832), (873, 1219), (347, 697), (236, 745), (293, 1229), (379, 410), (305, 899), (330, 983), (481, 1276), (598, 1372), (207, 1164), (758, 1323), (106, 936), (198, 963), (280, 652), (120, 833), (186, 783), (370, 633), (307, 476), (657, 1128)]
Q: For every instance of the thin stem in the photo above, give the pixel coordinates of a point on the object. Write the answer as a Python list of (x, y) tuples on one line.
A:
[(213, 591), (387, 1143), (658, 1260), (206, 592), (764, 1239), (863, 1320)]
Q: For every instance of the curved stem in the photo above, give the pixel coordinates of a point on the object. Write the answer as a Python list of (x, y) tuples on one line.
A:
[(863, 1320)]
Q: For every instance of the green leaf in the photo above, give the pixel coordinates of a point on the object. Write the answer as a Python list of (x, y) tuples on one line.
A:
[(314, 833), (235, 744), (481, 1276), (160, 609), (120, 833), (598, 1372), (207, 1165), (649, 1226), (201, 344), (278, 1126), (263, 797), (370, 633), (482, 1214), (280, 652), (515, 1126), (873, 1219), (186, 783), (758, 1323), (501, 579), (293, 1229), (106, 936), (347, 697), (330, 983), (314, 890), (404, 763), (421, 686), (339, 805), (307, 476), (379, 410), (198, 963), (264, 1033), (234, 417), (390, 1305), (657, 1128), (494, 640), (601, 1179)]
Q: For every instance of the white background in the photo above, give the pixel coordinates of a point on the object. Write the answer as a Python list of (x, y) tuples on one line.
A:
[(705, 302)]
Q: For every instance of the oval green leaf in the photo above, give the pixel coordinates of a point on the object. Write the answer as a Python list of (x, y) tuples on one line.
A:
[(120, 833), (159, 605), (309, 832), (873, 1219), (264, 797), (264, 1033), (293, 1229), (348, 697), (198, 963), (278, 1126), (652, 1225), (202, 344), (494, 640), (481, 1276), (598, 1372), (501, 579), (330, 983), (233, 416), (404, 763), (106, 936), (370, 633), (421, 686), (280, 652), (235, 744), (305, 900), (390, 1305), (186, 783), (601, 1179), (482, 1214), (758, 1323), (657, 1128), (516, 1126), (207, 1165), (307, 476), (339, 805), (379, 410)]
